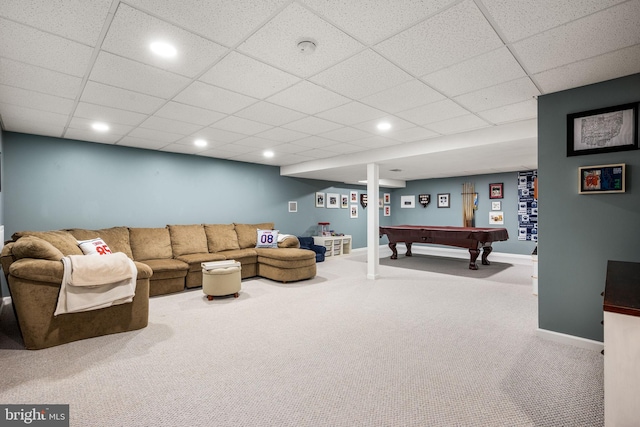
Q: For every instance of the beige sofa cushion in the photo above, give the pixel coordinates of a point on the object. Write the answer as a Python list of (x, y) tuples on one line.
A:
[(117, 238), (248, 233), (64, 241), (221, 237), (150, 243), (188, 239), (35, 247)]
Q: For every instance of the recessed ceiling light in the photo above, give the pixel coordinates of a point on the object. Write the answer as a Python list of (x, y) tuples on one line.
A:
[(384, 126), (268, 153), (100, 127), (200, 143), (163, 49)]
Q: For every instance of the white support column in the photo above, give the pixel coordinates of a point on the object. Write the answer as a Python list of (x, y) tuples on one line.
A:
[(373, 221)]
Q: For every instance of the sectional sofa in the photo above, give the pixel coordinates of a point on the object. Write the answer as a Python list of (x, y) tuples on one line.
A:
[(168, 260)]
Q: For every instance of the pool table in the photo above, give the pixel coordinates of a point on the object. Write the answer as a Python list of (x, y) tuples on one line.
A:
[(471, 238)]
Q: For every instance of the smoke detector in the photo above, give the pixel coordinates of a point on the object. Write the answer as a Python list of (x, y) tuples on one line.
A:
[(306, 47)]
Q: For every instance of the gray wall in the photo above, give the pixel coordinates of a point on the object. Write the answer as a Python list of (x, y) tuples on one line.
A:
[(581, 232), (432, 215)]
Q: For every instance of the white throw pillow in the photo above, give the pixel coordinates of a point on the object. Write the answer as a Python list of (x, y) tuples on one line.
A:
[(94, 247), (267, 239)]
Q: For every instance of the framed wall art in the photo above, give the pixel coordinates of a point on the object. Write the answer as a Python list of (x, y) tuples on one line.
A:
[(605, 130), (443, 200), (496, 190), (344, 201), (387, 198), (333, 200), (601, 179), (408, 202), (319, 200), (353, 213), (293, 206)]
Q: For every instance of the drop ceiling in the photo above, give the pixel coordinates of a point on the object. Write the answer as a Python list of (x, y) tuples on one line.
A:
[(457, 80)]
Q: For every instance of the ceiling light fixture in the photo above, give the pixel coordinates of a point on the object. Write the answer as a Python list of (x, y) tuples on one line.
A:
[(100, 127), (200, 143), (268, 154), (384, 126), (306, 47), (163, 49)]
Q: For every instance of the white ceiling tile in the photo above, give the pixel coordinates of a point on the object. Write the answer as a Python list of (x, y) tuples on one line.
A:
[(346, 134), (217, 136), (282, 135), (434, 112), (240, 125), (239, 149), (36, 100), (131, 32), (42, 49), (276, 42), (314, 142), (80, 124), (344, 148), (110, 96), (396, 124), (217, 153), (248, 76), (189, 113), (445, 39), (155, 135), (482, 71), (496, 96), (318, 153), (511, 113), (146, 144), (312, 125), (375, 142), (170, 125), (593, 35), (412, 134), (373, 20), (254, 157), (33, 127), (223, 21), (352, 113), (524, 18), (92, 136), (259, 143), (38, 79), (14, 114), (127, 74), (108, 114), (609, 66), (362, 75), (79, 20), (408, 95), (265, 112), (291, 159), (289, 148), (214, 98), (458, 124), (308, 98)]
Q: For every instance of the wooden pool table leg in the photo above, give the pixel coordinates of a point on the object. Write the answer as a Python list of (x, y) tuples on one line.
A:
[(392, 246), (485, 253), (408, 245), (473, 257)]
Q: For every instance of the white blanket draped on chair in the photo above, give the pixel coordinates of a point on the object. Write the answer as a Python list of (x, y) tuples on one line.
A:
[(91, 282)]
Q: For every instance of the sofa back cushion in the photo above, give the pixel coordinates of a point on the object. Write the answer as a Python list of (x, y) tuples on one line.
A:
[(35, 247), (117, 238), (221, 237), (150, 243), (64, 241), (188, 239), (248, 233)]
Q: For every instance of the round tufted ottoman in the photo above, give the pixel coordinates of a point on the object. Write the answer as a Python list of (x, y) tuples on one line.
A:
[(221, 281)]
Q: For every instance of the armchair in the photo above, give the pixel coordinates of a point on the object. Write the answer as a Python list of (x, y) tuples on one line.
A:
[(307, 243)]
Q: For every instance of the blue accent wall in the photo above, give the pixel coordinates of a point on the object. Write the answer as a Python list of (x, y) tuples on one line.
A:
[(580, 233)]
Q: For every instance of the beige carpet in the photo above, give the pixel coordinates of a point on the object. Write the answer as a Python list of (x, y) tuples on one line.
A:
[(413, 348)]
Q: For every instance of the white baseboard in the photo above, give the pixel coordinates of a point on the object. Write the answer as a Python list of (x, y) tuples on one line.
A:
[(570, 339)]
